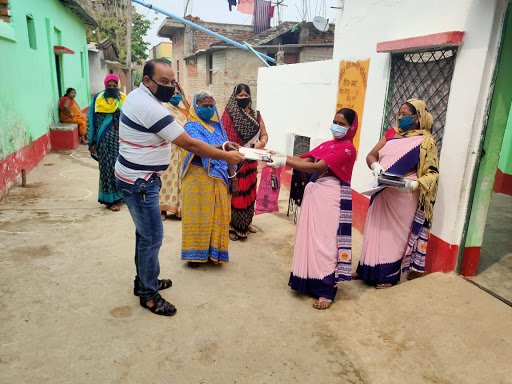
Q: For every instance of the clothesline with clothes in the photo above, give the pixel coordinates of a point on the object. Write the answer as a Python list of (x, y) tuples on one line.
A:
[(263, 11), (202, 29)]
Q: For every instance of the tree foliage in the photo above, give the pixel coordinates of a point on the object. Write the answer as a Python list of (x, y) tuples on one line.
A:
[(112, 17)]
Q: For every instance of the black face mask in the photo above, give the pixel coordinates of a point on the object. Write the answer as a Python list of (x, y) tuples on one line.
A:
[(242, 103), (163, 92), (112, 92)]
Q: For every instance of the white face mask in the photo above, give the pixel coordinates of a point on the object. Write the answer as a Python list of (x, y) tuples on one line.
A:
[(338, 131)]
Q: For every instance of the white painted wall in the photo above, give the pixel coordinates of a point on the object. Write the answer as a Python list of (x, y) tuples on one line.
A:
[(301, 98), (297, 98)]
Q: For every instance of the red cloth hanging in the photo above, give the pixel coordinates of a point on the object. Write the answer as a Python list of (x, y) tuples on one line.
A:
[(246, 6)]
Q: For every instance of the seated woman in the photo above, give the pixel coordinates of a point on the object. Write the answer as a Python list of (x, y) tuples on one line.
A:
[(70, 112), (205, 182), (322, 256), (398, 221)]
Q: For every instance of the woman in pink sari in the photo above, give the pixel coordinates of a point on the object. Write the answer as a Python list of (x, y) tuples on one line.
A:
[(322, 256), (398, 221)]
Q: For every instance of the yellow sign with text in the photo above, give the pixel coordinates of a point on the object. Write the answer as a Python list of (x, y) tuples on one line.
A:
[(352, 81)]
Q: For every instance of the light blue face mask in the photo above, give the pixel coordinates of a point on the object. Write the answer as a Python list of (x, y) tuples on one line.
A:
[(176, 99), (205, 113), (338, 131), (406, 122)]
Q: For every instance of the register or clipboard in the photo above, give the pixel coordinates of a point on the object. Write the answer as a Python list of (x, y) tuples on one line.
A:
[(391, 180), (385, 180), (255, 154)]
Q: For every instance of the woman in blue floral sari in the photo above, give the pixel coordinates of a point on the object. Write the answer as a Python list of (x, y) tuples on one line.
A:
[(206, 209)]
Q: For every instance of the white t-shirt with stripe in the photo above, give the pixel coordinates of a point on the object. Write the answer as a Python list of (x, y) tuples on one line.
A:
[(146, 129)]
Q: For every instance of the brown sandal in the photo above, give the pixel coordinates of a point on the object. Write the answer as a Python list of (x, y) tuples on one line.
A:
[(114, 207), (321, 304)]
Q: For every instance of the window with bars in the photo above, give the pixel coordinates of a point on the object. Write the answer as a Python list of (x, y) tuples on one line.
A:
[(424, 75)]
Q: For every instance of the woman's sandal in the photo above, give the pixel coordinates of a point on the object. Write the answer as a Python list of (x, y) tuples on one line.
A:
[(160, 305), (193, 265), (233, 236), (414, 275), (355, 276), (162, 284), (383, 285), (321, 304)]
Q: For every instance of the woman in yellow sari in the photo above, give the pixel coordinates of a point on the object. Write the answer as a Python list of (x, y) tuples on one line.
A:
[(70, 112), (206, 203), (170, 194)]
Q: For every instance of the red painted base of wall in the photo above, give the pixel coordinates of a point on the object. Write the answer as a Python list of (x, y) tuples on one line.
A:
[(62, 139), (441, 256), (470, 261), (286, 176), (360, 206), (503, 183), (26, 158)]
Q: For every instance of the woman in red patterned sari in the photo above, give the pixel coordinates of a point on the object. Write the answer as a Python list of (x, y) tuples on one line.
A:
[(244, 126)]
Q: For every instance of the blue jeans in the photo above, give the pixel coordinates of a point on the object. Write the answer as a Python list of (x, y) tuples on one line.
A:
[(142, 201)]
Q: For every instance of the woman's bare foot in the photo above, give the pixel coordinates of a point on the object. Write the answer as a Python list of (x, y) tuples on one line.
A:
[(114, 207), (383, 285)]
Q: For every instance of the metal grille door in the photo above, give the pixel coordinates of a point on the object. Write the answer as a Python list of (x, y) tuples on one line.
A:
[(423, 75)]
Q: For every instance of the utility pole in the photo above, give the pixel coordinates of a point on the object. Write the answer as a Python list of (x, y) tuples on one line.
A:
[(129, 45)]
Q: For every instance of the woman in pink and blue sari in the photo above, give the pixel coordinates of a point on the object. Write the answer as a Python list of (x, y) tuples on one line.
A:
[(322, 255), (398, 222)]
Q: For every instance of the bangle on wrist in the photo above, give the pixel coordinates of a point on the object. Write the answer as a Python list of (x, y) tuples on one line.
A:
[(224, 145), (230, 177)]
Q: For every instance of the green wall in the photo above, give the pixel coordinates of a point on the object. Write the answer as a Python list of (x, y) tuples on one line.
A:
[(494, 136), (505, 162), (28, 84)]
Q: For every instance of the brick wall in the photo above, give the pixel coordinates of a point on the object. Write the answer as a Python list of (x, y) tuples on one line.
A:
[(291, 58), (202, 40), (230, 67), (308, 54), (317, 37)]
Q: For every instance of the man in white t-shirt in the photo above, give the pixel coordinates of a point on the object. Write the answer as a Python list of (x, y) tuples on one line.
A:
[(146, 130)]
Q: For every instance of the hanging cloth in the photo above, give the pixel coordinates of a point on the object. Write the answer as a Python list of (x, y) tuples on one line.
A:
[(231, 3)]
